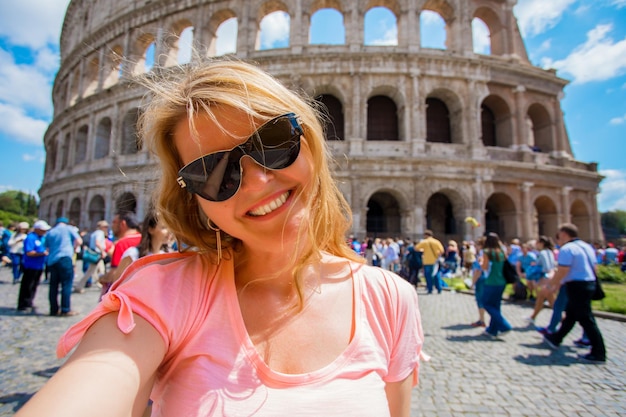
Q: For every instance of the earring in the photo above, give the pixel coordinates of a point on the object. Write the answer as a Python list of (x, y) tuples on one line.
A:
[(218, 240)]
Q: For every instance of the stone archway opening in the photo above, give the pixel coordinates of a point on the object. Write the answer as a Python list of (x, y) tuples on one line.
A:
[(580, 217), (126, 202), (545, 218), (383, 216), (441, 219), (501, 216)]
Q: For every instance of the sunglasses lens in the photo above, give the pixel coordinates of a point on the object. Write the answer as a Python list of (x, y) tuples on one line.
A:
[(217, 176)]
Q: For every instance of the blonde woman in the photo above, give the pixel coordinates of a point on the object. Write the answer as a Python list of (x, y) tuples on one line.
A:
[(269, 312)]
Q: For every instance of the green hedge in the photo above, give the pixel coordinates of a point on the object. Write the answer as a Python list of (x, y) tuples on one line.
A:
[(611, 273)]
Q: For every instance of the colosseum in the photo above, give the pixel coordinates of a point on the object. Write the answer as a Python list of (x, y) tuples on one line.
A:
[(423, 137)]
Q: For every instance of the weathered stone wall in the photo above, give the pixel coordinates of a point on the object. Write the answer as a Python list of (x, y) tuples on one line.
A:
[(395, 187)]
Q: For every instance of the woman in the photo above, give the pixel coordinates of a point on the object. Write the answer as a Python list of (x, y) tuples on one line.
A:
[(492, 261), (546, 265), (451, 256), (269, 312), (478, 283)]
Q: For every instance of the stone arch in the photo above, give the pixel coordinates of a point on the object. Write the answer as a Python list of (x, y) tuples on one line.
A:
[(145, 50), (178, 49), (103, 138), (126, 202), (545, 219), (75, 211), (384, 214), (90, 80), (97, 208), (581, 217), (390, 34), (65, 150), (51, 155), (334, 122), (80, 148), (444, 210), (441, 33), (382, 118), (277, 10), (496, 122), (442, 104), (75, 87), (540, 128), (496, 29), (216, 25), (130, 138), (501, 216), (60, 209), (51, 213), (327, 14), (113, 67)]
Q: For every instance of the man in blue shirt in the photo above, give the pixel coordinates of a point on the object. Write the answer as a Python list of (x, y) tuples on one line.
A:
[(34, 261), (61, 241), (576, 275)]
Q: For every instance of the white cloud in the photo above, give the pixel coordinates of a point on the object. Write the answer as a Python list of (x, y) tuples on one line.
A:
[(536, 16), (24, 85), (37, 156), (619, 3), (389, 38), (618, 120), (19, 127), (599, 58), (481, 37), (274, 29), (613, 190), (32, 23)]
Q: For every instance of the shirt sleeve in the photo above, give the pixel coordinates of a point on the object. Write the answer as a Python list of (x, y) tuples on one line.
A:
[(159, 289), (565, 256), (407, 334)]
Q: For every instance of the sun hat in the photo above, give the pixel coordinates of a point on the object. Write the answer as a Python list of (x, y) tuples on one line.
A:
[(62, 220), (24, 225), (41, 225)]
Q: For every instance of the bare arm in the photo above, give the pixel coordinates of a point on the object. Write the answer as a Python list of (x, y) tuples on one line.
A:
[(115, 273), (555, 282), (399, 397), (110, 374)]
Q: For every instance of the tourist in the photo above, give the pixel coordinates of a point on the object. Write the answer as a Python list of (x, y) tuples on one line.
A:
[(269, 312), (576, 275), (492, 262)]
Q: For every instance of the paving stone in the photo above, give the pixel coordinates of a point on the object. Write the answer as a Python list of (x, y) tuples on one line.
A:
[(468, 374)]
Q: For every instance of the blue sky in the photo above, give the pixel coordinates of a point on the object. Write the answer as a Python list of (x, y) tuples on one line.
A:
[(584, 40)]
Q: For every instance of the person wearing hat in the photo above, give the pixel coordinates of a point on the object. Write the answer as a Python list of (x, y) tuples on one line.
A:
[(97, 242), (16, 249), (61, 241), (35, 253)]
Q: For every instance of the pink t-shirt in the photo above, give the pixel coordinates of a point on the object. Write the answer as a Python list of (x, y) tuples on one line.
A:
[(211, 367)]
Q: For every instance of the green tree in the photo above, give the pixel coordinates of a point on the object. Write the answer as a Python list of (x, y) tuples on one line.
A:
[(614, 223)]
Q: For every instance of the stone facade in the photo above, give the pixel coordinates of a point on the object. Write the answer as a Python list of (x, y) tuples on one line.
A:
[(427, 137)]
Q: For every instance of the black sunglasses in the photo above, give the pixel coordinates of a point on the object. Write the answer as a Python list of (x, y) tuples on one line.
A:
[(217, 176)]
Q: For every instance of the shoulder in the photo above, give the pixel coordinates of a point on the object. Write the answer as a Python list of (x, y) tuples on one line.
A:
[(385, 289)]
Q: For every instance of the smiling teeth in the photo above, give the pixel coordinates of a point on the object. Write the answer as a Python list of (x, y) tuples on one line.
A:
[(268, 208)]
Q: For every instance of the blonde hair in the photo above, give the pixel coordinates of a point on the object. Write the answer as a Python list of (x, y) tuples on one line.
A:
[(200, 88)]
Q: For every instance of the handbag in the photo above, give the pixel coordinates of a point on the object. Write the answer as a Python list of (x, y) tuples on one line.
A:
[(509, 272), (91, 256)]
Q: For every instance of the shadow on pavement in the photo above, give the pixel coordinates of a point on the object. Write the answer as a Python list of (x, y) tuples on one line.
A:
[(47, 373), (20, 398), (552, 359), (476, 337), (458, 327)]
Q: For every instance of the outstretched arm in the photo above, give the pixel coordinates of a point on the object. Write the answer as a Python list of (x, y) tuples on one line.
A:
[(399, 397), (110, 374)]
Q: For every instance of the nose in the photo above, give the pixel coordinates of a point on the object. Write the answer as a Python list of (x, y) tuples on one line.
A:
[(254, 176)]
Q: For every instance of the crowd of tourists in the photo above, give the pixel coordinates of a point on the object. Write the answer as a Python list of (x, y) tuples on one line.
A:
[(557, 273), (52, 253)]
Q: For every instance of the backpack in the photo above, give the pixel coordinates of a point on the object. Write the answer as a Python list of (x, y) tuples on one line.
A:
[(520, 293), (415, 259)]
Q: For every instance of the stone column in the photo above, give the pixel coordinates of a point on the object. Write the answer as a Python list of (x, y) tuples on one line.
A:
[(526, 210), (521, 141), (354, 28), (101, 66), (418, 141), (411, 23), (357, 136), (564, 213), (298, 27)]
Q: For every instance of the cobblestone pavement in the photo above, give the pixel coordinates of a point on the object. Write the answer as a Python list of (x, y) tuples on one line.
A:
[(468, 374)]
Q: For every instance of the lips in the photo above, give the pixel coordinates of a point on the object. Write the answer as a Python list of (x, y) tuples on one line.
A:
[(271, 206)]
